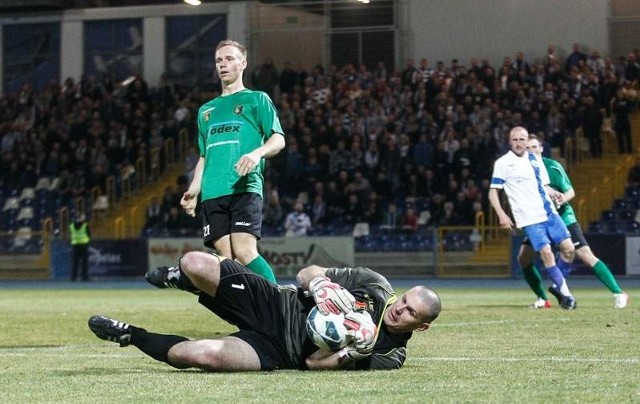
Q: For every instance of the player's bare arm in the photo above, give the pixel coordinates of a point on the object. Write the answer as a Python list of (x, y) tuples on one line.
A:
[(250, 160), (326, 360), (189, 199), (503, 218)]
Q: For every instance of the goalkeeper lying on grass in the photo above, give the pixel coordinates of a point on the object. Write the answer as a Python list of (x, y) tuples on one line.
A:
[(272, 319)]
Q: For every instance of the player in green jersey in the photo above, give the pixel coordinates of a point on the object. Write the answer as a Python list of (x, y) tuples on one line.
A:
[(236, 132), (559, 180)]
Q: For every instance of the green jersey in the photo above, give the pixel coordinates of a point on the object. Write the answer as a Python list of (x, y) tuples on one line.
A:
[(559, 180), (229, 127)]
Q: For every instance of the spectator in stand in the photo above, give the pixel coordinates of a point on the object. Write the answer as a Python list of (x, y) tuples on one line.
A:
[(346, 105), (371, 158), (169, 199), (574, 59), (318, 211), (336, 201), (592, 118), (408, 74), (373, 211), (154, 214), (392, 218), (265, 78), (632, 69), (620, 110), (633, 176), (288, 79), (353, 210), (174, 221), (463, 207), (449, 216), (360, 185), (409, 221), (297, 222)]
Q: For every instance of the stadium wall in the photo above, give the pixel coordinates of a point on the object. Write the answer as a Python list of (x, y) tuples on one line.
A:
[(493, 29), (437, 30), (131, 258)]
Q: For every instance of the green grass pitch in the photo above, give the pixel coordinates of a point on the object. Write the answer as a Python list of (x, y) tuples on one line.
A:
[(487, 346)]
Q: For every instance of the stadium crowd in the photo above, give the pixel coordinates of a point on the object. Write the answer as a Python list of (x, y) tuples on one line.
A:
[(396, 149)]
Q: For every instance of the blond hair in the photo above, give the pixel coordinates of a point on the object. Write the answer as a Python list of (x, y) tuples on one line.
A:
[(236, 44)]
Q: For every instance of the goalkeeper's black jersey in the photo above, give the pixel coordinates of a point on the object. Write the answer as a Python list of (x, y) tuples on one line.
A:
[(372, 292)]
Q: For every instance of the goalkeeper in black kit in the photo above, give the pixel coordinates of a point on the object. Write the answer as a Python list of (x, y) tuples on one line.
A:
[(271, 319)]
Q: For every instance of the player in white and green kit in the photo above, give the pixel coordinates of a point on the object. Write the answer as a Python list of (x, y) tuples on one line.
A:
[(236, 132), (559, 180)]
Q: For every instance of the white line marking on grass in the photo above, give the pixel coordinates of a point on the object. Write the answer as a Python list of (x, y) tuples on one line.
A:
[(62, 350), (552, 359), (491, 322), (24, 354)]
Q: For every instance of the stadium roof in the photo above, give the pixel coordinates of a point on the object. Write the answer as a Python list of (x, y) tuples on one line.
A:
[(25, 6)]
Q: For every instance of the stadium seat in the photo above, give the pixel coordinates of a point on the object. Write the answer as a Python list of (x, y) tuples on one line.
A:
[(361, 229), (424, 217), (101, 205), (618, 227), (27, 196), (25, 213), (414, 242), (22, 237), (43, 184), (620, 204), (632, 192), (425, 243), (11, 203), (607, 216), (633, 228), (55, 184)]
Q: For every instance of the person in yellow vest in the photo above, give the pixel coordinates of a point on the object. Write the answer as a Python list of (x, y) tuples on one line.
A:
[(80, 237)]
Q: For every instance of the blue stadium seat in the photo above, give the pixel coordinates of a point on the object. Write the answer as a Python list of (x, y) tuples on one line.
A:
[(597, 227), (625, 215), (368, 243), (620, 204), (632, 192), (618, 227), (633, 228), (607, 216)]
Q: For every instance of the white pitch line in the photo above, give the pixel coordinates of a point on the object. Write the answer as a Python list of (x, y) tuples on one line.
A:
[(40, 354), (62, 350), (551, 359), (492, 322)]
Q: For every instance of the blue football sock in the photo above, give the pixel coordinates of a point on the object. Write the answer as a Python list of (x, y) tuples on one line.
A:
[(564, 267), (555, 275)]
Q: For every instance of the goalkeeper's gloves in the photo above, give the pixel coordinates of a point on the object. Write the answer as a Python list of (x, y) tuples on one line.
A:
[(352, 353), (362, 331), (331, 297)]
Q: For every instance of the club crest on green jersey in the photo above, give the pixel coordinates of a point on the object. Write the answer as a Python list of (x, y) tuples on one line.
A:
[(238, 109)]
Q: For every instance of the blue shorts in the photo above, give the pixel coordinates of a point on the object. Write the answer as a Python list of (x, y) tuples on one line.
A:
[(551, 232)]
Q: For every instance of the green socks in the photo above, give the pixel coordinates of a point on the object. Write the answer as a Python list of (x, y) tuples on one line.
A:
[(606, 277), (601, 270), (261, 267), (534, 280)]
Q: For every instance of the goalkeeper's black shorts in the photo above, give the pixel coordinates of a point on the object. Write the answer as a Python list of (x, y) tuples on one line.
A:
[(253, 304)]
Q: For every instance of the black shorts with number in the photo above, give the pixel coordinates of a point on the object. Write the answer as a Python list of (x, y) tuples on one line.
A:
[(237, 213), (577, 236), (254, 305)]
